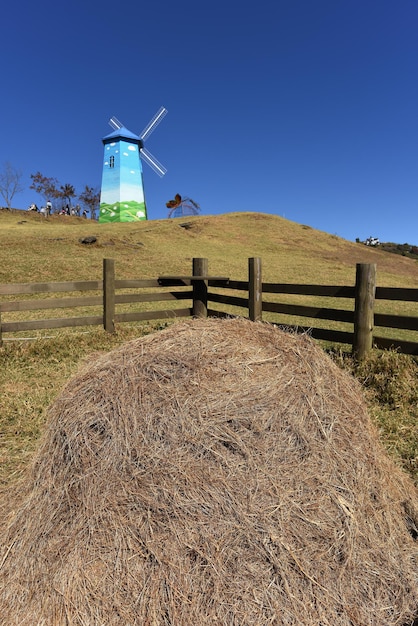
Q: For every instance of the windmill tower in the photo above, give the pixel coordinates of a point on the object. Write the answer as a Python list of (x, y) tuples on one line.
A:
[(122, 197)]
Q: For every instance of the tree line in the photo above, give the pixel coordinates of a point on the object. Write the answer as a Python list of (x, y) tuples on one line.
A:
[(52, 191), (49, 189)]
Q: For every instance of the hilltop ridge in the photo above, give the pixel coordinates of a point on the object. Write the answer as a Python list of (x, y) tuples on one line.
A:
[(36, 249)]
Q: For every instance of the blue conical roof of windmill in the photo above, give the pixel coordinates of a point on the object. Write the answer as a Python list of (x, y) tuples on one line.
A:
[(123, 133)]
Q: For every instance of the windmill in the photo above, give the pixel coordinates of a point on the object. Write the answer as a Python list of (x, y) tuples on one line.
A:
[(179, 207), (122, 197)]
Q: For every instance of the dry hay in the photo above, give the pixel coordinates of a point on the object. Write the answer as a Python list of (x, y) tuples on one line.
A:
[(219, 472)]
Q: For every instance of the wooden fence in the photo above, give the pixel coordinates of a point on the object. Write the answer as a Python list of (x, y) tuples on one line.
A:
[(362, 315)]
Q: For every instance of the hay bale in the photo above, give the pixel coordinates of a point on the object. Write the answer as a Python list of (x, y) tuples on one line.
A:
[(219, 472)]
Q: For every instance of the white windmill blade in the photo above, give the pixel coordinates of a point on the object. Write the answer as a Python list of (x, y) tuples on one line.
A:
[(115, 123), (153, 123), (153, 162)]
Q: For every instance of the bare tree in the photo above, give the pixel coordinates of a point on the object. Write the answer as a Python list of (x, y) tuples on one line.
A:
[(10, 183), (90, 198), (46, 187), (67, 192)]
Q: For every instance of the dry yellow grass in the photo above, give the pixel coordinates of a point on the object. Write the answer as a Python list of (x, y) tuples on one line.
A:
[(216, 472), (50, 250), (33, 249)]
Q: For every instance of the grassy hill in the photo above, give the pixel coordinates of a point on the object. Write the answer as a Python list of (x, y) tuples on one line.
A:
[(35, 249)]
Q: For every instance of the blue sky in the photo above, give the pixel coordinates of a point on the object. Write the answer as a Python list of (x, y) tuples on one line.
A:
[(307, 109)]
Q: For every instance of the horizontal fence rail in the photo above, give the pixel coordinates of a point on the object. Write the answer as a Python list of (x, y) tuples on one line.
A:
[(194, 292)]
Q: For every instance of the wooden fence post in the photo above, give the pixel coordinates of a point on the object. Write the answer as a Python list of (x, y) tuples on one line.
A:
[(255, 290), (200, 288), (109, 295), (364, 309)]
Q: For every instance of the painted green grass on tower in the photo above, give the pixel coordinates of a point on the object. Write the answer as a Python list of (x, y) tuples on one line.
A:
[(122, 212)]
